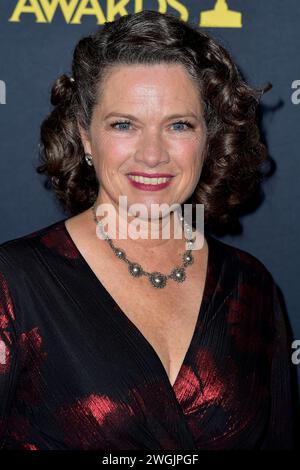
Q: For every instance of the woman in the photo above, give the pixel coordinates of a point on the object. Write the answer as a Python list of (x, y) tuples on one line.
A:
[(99, 352)]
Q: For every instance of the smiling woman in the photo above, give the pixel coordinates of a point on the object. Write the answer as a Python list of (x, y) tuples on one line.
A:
[(157, 129), (93, 355)]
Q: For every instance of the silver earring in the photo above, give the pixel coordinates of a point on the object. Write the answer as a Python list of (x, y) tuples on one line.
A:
[(89, 159)]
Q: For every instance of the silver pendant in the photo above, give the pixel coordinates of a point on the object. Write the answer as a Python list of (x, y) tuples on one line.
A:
[(178, 274), (187, 258), (135, 269), (158, 280)]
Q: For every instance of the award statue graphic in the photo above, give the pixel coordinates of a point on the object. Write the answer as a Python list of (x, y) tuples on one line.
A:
[(221, 17)]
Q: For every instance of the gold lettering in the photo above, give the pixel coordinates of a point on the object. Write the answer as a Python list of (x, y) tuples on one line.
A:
[(162, 6), (94, 9), (221, 17), (34, 8), (73, 10), (184, 13), (113, 9), (50, 7)]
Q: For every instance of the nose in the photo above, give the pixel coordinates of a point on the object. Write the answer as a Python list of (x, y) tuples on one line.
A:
[(151, 149)]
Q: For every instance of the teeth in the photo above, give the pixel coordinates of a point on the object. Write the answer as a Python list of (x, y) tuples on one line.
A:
[(144, 180)]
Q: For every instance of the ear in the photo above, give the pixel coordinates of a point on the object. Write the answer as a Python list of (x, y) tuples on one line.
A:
[(85, 139)]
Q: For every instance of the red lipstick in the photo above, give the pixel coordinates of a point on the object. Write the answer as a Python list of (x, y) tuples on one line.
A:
[(150, 187), (150, 175)]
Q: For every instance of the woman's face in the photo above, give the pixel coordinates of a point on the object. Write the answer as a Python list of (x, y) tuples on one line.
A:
[(136, 129)]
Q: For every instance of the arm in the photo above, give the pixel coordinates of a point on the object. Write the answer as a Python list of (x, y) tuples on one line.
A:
[(8, 356)]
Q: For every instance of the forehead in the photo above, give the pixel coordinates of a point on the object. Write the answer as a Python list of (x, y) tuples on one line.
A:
[(161, 84)]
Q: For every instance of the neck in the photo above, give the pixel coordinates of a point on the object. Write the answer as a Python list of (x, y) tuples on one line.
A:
[(155, 235)]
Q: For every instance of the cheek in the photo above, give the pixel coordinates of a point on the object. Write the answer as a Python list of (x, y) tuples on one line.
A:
[(106, 144), (190, 157), (111, 154), (118, 145), (188, 147)]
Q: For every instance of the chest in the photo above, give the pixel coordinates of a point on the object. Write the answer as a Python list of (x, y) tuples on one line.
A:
[(165, 317)]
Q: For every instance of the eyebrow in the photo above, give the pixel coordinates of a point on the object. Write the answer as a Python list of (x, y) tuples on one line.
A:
[(130, 116)]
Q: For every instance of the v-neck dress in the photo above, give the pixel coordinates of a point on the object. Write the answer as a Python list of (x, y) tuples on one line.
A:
[(77, 373)]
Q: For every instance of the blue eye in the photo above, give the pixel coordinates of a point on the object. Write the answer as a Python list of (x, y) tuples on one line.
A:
[(186, 123), (122, 123)]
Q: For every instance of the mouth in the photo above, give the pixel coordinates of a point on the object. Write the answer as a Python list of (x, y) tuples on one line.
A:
[(154, 182)]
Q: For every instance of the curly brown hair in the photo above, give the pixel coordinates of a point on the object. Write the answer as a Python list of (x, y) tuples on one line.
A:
[(233, 165)]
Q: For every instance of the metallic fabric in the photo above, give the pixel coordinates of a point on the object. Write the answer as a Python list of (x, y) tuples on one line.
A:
[(76, 373)]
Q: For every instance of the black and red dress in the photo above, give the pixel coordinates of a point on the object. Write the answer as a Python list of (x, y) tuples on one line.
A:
[(76, 373)]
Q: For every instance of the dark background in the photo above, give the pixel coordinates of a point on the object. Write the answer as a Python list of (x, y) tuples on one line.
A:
[(266, 48)]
